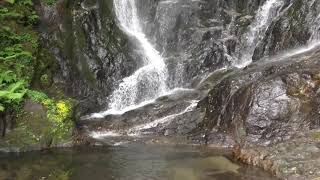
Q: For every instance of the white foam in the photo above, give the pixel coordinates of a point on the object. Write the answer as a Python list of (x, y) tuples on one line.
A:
[(132, 107), (150, 79), (104, 134), (135, 131), (301, 50)]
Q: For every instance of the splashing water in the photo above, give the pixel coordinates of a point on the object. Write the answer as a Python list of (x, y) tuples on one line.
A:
[(148, 82), (136, 131), (129, 108)]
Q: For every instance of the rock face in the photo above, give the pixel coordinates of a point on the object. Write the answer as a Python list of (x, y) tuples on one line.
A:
[(270, 111), (198, 37), (268, 103), (297, 25), (92, 51), (297, 158), (195, 38)]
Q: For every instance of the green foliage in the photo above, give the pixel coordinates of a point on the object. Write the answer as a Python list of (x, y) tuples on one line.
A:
[(19, 10), (37, 96), (11, 1), (12, 90), (1, 107), (22, 63), (7, 77), (49, 2), (8, 14), (18, 44)]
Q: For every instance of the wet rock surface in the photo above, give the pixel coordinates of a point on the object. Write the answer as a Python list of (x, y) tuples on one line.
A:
[(195, 38), (266, 103), (289, 29), (297, 158), (93, 53)]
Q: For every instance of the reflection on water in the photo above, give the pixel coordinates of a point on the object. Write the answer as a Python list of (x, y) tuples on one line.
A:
[(136, 162)]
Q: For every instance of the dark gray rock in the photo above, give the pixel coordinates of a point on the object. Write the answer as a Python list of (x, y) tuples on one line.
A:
[(297, 25), (267, 103), (93, 53)]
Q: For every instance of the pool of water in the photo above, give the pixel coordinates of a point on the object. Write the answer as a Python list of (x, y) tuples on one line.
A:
[(134, 162)]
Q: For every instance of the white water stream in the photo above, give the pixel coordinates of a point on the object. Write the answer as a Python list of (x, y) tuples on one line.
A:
[(257, 30), (149, 81), (137, 130), (314, 40)]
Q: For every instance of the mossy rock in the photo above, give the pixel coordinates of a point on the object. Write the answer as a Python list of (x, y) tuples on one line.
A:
[(34, 130), (315, 135)]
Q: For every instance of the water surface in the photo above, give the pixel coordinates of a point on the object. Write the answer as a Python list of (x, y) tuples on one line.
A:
[(134, 162)]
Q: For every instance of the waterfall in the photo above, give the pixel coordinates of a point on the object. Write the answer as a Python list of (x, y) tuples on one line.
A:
[(149, 81), (257, 30), (313, 21)]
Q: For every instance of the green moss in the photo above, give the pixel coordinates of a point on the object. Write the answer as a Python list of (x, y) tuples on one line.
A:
[(45, 67), (315, 135), (44, 79)]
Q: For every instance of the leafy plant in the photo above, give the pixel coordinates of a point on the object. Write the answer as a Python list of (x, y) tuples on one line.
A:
[(11, 1), (14, 93), (37, 96), (49, 2), (17, 47)]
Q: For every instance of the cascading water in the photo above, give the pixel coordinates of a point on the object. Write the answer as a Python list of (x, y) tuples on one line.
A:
[(313, 20), (137, 129), (256, 31), (180, 113), (149, 81)]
